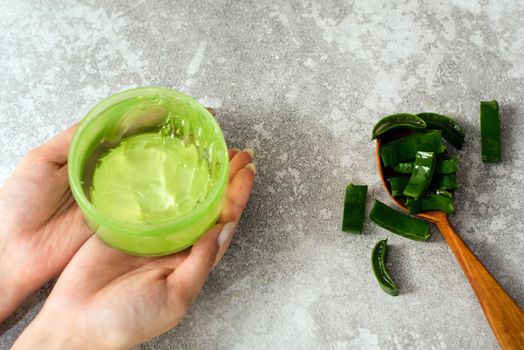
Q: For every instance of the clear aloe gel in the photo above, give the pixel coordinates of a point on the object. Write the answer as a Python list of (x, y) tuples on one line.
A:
[(150, 178)]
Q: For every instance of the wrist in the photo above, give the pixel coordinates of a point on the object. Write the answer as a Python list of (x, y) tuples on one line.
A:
[(13, 290), (54, 330), (50, 334)]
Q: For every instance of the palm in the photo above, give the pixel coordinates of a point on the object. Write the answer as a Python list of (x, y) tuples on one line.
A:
[(137, 298), (44, 223), (103, 289), (42, 226)]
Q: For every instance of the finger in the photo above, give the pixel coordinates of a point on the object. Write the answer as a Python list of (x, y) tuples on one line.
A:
[(187, 280), (224, 240), (233, 152), (239, 161), (56, 149), (238, 194)]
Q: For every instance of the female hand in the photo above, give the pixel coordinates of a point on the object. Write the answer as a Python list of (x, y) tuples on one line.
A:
[(42, 226), (105, 299)]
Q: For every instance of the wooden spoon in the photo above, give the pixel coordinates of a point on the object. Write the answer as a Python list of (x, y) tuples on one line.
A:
[(504, 315)]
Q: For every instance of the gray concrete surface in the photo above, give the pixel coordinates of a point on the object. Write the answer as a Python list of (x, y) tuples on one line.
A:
[(302, 82)]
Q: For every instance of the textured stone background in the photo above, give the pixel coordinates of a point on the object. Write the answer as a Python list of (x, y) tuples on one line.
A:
[(303, 83)]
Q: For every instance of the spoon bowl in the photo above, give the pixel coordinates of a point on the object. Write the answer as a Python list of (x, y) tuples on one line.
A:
[(385, 173), (504, 316)]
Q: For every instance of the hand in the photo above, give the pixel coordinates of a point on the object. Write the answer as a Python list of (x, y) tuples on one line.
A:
[(106, 299), (42, 226)]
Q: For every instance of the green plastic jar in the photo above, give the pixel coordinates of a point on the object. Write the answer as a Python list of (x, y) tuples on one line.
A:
[(135, 111)]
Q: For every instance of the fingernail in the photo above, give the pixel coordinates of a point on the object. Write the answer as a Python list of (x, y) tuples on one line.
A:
[(226, 233), (236, 149), (250, 151), (212, 111), (252, 167)]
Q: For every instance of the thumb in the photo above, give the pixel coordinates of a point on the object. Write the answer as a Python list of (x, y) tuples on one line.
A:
[(189, 277)]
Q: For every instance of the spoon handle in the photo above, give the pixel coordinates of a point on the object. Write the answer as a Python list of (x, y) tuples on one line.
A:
[(502, 312)]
